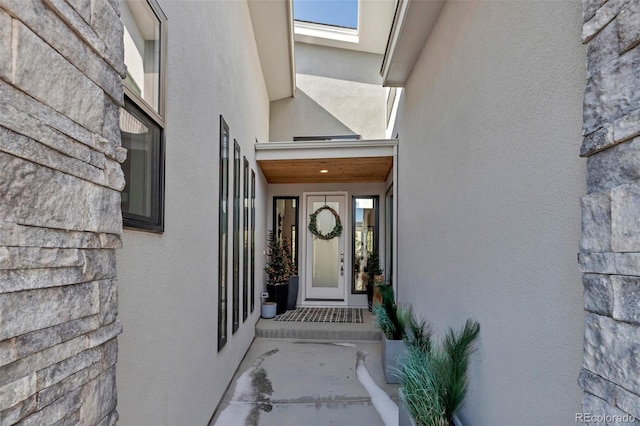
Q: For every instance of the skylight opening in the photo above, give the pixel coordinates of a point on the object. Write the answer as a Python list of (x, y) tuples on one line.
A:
[(334, 13)]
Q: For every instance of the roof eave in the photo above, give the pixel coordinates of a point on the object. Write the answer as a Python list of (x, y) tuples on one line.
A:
[(412, 24)]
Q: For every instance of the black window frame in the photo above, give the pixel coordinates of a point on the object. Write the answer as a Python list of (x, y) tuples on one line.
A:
[(295, 244), (253, 240), (245, 239), (154, 222), (223, 233), (140, 109), (236, 237)]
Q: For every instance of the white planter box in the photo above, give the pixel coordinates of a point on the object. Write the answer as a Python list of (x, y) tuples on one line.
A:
[(391, 351)]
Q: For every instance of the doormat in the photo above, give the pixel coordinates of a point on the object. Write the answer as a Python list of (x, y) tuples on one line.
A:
[(348, 315)]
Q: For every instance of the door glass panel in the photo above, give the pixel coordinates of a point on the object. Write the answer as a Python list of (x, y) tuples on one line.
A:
[(325, 254)]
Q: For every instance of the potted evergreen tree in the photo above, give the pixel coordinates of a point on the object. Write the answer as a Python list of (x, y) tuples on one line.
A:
[(278, 271), (292, 298), (374, 274)]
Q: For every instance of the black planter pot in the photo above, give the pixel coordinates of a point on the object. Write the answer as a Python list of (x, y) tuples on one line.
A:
[(370, 296), (279, 293), (292, 298)]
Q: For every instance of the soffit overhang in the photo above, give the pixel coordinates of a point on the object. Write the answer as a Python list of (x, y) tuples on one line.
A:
[(346, 161), (412, 25), (273, 30)]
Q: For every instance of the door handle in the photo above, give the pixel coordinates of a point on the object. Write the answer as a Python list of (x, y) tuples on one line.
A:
[(342, 264)]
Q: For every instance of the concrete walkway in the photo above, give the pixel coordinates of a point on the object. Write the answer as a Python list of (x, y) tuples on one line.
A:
[(305, 382)]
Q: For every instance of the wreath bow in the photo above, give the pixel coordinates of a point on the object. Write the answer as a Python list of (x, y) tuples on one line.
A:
[(313, 224)]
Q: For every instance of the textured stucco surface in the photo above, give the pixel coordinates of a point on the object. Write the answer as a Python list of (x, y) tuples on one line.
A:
[(338, 92), (489, 188), (169, 370)]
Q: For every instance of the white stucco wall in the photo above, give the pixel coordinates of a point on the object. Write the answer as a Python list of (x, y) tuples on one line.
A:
[(169, 371), (338, 92), (352, 189), (489, 212)]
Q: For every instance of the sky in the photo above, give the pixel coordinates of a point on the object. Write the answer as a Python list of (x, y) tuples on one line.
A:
[(343, 13)]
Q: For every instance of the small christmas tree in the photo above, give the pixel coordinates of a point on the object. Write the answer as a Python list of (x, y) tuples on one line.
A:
[(279, 266)]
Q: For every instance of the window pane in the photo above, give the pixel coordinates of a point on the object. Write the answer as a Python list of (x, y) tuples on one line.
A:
[(253, 239), (142, 50), (365, 238), (141, 138)]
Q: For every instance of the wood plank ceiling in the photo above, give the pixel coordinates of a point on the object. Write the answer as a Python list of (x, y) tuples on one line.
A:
[(338, 170)]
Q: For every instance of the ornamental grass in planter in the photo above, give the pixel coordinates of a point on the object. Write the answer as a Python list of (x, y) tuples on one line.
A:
[(392, 319), (435, 378)]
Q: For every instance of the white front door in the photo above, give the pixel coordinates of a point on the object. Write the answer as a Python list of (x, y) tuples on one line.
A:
[(326, 271)]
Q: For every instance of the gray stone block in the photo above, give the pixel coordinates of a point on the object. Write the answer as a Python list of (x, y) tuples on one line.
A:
[(70, 419), (628, 402), (596, 222), (625, 210), (60, 84), (628, 28), (56, 391), (53, 374), (610, 350), (598, 295), (30, 236), (110, 53), (597, 141), (17, 391), (55, 411), (30, 343), (108, 301), (38, 196), (612, 91), (36, 257), (626, 298), (82, 7), (109, 353), (104, 334), (29, 279), (602, 48), (19, 411), (29, 149), (5, 46), (99, 264), (110, 419), (21, 122), (590, 7), (39, 360), (45, 114), (597, 386), (601, 18), (610, 263), (111, 130), (108, 26), (627, 127), (599, 410), (99, 398), (615, 166), (25, 311)]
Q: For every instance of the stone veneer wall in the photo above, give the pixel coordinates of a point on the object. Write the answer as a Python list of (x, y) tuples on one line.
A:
[(610, 244), (61, 64)]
